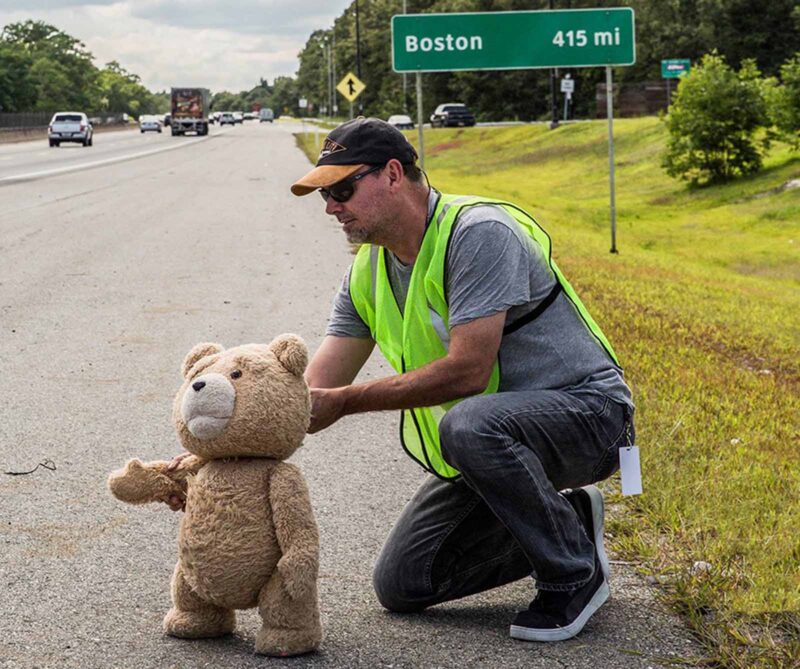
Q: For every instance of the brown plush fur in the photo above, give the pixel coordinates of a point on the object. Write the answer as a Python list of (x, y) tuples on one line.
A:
[(248, 537)]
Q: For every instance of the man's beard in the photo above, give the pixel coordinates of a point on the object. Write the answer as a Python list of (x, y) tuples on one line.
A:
[(358, 236)]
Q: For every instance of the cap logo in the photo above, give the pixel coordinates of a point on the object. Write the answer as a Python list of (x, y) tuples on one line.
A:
[(329, 147)]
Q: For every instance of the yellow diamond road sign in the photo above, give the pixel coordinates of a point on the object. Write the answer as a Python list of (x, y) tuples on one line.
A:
[(351, 86)]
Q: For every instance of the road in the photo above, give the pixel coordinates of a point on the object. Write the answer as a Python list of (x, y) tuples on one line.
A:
[(35, 159), (108, 276)]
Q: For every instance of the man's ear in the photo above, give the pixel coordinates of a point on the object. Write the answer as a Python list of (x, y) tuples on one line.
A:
[(199, 352), (291, 352), (394, 168)]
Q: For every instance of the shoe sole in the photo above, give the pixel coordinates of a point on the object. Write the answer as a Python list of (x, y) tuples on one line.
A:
[(598, 519), (563, 633)]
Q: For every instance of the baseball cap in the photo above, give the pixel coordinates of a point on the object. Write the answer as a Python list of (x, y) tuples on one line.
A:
[(351, 145)]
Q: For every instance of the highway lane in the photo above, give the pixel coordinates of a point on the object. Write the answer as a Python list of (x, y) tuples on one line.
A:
[(35, 159), (108, 276)]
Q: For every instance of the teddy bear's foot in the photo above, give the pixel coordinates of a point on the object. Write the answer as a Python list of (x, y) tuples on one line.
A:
[(199, 624), (285, 642)]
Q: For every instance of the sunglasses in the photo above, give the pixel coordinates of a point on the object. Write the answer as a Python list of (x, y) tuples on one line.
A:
[(343, 190)]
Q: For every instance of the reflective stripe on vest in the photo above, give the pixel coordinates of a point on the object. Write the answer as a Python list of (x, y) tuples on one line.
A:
[(420, 334)]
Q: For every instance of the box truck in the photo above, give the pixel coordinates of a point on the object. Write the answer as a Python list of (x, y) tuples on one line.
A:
[(189, 111)]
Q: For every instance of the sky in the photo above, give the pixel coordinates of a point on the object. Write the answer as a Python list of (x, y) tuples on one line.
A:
[(221, 45)]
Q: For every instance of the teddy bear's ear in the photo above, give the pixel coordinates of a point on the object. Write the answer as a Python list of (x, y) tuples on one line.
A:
[(199, 352), (291, 352)]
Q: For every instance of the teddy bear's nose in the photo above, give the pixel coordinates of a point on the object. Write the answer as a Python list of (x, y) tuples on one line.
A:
[(198, 385)]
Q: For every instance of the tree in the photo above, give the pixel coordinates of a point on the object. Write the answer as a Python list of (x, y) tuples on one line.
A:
[(44, 68), (122, 91), (52, 86), (227, 101), (17, 89), (713, 123), (284, 96), (784, 102), (57, 60)]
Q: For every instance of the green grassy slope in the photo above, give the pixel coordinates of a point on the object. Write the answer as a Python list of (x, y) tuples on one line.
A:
[(702, 305)]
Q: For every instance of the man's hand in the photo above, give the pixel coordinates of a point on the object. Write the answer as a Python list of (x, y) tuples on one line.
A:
[(176, 461), (327, 406)]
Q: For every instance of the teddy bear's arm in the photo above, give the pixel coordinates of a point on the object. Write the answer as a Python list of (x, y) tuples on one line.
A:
[(295, 528), (139, 483)]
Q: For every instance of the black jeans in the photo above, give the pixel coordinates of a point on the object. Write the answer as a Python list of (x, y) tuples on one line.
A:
[(504, 519)]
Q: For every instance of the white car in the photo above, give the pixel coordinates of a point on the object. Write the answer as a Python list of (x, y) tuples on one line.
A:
[(226, 118), (401, 122), (70, 127), (147, 123), (238, 117)]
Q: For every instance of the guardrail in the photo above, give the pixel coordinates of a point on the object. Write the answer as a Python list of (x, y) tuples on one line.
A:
[(15, 122)]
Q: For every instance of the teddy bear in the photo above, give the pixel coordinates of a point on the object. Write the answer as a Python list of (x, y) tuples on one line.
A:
[(248, 537)]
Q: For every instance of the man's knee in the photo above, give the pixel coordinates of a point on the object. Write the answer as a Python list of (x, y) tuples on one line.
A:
[(463, 431), (393, 591)]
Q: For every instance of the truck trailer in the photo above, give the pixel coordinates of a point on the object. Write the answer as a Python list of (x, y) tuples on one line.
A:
[(189, 111)]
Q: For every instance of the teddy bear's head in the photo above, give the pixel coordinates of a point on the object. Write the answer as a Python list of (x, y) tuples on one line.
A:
[(247, 401)]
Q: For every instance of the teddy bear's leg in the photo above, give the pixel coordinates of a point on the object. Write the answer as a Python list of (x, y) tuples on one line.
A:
[(193, 618), (290, 626)]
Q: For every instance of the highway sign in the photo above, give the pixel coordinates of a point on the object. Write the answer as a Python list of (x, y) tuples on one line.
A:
[(670, 69), (513, 40), (351, 86)]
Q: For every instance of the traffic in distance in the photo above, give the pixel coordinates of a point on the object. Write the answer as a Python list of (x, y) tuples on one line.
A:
[(190, 113)]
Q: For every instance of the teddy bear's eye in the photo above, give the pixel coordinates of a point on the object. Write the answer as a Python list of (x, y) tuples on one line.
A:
[(236, 374)]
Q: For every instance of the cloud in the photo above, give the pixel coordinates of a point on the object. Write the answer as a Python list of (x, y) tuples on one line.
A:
[(219, 45), (35, 5), (262, 17)]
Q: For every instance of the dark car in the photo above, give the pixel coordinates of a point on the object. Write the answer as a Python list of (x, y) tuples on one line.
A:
[(452, 114)]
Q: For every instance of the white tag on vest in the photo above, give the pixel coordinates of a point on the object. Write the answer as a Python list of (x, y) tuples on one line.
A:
[(630, 470)]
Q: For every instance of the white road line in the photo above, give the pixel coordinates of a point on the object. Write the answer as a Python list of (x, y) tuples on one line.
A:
[(97, 163)]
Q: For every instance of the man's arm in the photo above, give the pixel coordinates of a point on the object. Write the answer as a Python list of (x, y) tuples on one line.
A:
[(337, 361), (464, 371)]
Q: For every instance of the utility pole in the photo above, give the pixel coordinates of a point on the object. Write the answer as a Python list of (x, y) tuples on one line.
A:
[(331, 92), (554, 102), (324, 47), (358, 61), (333, 74)]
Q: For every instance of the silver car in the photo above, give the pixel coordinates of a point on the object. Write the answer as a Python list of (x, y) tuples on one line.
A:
[(147, 123), (70, 127)]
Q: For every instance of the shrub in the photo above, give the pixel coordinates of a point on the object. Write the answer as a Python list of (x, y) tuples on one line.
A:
[(784, 103), (713, 123)]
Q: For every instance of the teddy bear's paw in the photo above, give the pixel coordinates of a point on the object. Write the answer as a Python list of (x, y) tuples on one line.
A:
[(199, 624), (287, 642)]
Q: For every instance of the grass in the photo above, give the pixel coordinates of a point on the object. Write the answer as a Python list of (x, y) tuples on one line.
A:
[(702, 305)]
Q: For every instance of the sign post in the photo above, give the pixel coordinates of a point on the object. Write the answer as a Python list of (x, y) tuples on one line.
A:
[(567, 88), (610, 115), (419, 121), (517, 40)]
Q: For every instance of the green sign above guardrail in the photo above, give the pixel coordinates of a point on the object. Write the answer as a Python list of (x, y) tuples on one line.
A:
[(513, 40), (677, 67)]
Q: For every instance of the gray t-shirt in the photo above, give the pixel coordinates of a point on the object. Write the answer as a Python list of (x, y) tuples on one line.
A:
[(494, 266)]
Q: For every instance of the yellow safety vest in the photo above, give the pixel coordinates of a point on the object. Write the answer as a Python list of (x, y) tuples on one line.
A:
[(419, 335)]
